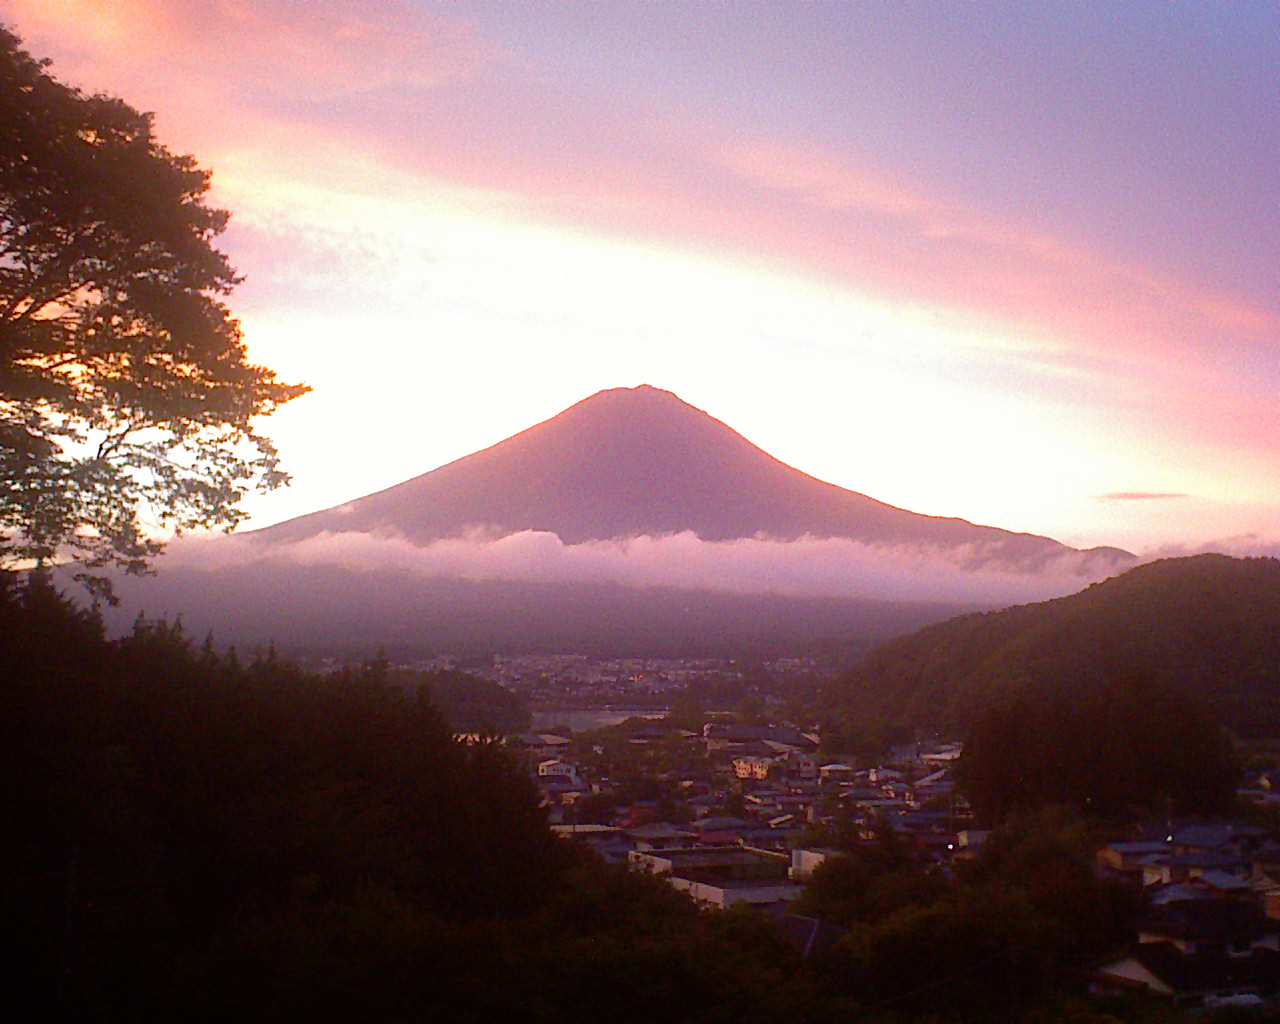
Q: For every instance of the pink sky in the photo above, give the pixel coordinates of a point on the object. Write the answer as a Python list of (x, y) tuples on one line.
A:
[(1015, 266)]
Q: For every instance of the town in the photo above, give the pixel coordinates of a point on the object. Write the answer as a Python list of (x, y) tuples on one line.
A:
[(603, 690), (739, 814)]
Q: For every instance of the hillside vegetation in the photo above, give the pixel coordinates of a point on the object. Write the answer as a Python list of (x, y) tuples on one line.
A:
[(197, 838), (1206, 627), (470, 704)]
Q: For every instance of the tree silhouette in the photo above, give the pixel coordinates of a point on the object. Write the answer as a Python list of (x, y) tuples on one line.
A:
[(125, 389)]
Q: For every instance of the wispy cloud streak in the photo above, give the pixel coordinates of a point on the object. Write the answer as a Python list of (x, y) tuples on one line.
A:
[(1141, 496)]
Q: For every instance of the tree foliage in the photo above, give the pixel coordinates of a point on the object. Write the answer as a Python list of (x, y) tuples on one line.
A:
[(1128, 748), (199, 838), (1006, 935), (1207, 626), (869, 883), (471, 704), (125, 388)]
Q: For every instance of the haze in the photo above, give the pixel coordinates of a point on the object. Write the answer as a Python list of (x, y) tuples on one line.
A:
[(1014, 265)]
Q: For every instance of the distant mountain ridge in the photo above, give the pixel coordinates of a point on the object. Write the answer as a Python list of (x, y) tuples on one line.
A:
[(325, 609), (1207, 625), (640, 461)]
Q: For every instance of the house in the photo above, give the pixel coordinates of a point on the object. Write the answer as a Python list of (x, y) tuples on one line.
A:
[(806, 860), (659, 835), (718, 830), (969, 843), (1222, 883), (554, 767), (944, 756), (721, 895), (799, 764), (1269, 895), (612, 844), (934, 784), (792, 803), (1261, 789), (1189, 851), (764, 740), (899, 791), (1199, 952), (1211, 885), (646, 734), (540, 746), (1210, 926), (1129, 857), (1217, 838), (775, 838), (873, 800), (1256, 795), (721, 877), (752, 767), (726, 736), (1191, 981), (835, 773), (711, 863), (1176, 892), (560, 789), (1176, 867)]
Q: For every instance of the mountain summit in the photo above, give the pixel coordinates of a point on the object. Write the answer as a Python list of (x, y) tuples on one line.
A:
[(640, 461)]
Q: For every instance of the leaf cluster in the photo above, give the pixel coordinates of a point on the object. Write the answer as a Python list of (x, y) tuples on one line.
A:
[(1127, 749), (1006, 935), (125, 388)]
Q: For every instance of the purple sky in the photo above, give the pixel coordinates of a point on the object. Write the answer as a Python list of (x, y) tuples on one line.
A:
[(1019, 263)]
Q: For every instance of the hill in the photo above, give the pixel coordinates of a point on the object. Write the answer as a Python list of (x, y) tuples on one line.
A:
[(640, 461), (1208, 625), (470, 704)]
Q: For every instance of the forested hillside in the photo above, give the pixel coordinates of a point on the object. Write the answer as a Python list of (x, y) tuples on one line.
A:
[(471, 704), (197, 838), (1207, 626), (201, 838)]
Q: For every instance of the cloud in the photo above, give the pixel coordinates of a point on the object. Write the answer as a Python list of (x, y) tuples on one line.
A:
[(808, 567), (314, 87), (1141, 496), (260, 50), (1245, 545), (963, 255)]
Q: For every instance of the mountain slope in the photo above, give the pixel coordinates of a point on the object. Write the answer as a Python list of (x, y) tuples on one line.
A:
[(639, 461), (1209, 624)]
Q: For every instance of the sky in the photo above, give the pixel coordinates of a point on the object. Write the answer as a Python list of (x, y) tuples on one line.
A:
[(1015, 263)]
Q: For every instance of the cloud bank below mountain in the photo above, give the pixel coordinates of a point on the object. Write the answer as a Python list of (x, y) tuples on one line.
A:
[(806, 567)]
